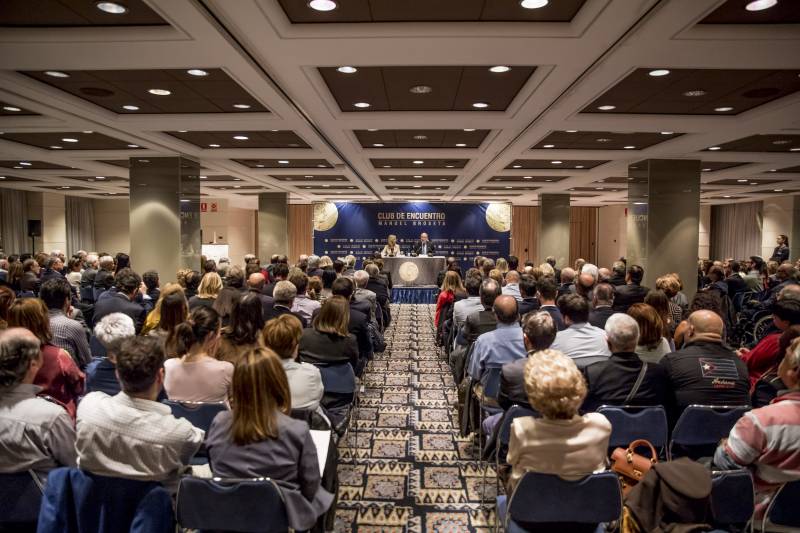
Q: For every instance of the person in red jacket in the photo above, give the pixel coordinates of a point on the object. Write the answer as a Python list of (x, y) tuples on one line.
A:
[(450, 286)]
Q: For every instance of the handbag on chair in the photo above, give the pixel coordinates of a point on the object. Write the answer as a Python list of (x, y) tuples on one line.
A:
[(631, 467)]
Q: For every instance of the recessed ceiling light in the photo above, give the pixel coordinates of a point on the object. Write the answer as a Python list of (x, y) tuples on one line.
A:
[(325, 185), (753, 183), (499, 69), (706, 170), (307, 176), (760, 5), (629, 147), (442, 179), (131, 107), (714, 148), (578, 166), (607, 107), (449, 166), (182, 131), (241, 137), (347, 70), (25, 163), (527, 177), (781, 141), (259, 166), (695, 92), (112, 8), (795, 149), (556, 162), (417, 186), (99, 177), (421, 89), (480, 105), (418, 161), (533, 4), (197, 72), (11, 108), (598, 188), (723, 109), (69, 140), (469, 129), (159, 92), (549, 146), (391, 179), (658, 72), (742, 181), (56, 74), (387, 166), (572, 131), (237, 186), (516, 166), (65, 187), (461, 145), (322, 5), (362, 105), (241, 106), (2, 177), (726, 196), (283, 161), (603, 140), (213, 146), (773, 170), (417, 176), (372, 129), (777, 190), (377, 145), (17, 166), (667, 132), (133, 146)]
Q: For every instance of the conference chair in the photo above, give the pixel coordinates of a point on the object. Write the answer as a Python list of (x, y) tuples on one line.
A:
[(200, 415), (245, 505), (75, 500), (782, 510), (487, 401), (732, 499), (20, 500), (631, 422), (700, 428), (341, 396), (547, 503)]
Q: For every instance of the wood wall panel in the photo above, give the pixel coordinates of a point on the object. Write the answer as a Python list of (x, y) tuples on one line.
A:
[(301, 230), (525, 232), (583, 234)]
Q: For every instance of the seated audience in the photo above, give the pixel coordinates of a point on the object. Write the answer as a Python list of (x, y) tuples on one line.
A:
[(128, 284), (130, 434), (765, 440), (653, 345), (659, 301), (705, 371), (671, 287), (207, 291), (364, 296), (702, 301), (480, 322), (280, 272), (358, 323), (282, 335), (447, 294), (562, 442), (255, 284), (328, 340), (68, 334), (614, 382), (632, 292), (7, 297), (195, 375), (303, 305), (785, 313), (546, 291), (58, 375), (283, 295), (527, 291), (511, 286), (505, 344), (193, 279), (602, 301), (174, 310), (580, 341), (152, 283), (101, 373), (258, 438), (154, 317), (37, 434), (224, 302), (472, 303), (244, 331), (769, 385)]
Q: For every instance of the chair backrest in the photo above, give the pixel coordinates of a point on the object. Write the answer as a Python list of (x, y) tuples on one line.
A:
[(732, 498), (701, 427), (504, 430), (338, 379), (20, 499), (200, 414), (491, 382), (629, 422), (233, 505), (783, 507), (545, 498)]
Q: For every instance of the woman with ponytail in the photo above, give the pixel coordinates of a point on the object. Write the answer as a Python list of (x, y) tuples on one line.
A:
[(196, 375)]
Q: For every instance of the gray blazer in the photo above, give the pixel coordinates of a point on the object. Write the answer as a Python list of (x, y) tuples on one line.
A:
[(290, 460)]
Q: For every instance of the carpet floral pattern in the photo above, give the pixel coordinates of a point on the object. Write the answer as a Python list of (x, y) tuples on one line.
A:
[(403, 466)]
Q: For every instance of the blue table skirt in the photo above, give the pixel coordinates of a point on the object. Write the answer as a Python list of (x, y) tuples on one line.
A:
[(414, 295)]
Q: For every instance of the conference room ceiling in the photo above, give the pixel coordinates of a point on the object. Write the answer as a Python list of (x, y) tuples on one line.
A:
[(187, 77)]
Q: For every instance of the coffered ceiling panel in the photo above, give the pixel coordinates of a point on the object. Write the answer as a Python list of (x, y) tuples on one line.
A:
[(528, 179), (96, 179), (695, 91), (417, 177), (64, 187), (790, 169), (129, 91), (507, 187), (327, 187), (419, 163), (70, 140), (223, 177), (603, 140), (74, 13), (445, 88), (736, 12), (554, 163), (284, 163), (431, 11), (745, 181), (421, 138), (241, 139), (762, 143), (416, 187), (30, 165), (307, 178)]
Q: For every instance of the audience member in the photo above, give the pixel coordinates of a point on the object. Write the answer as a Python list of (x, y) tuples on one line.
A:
[(7, 297), (527, 291), (653, 345), (328, 340), (702, 301), (358, 322), (283, 296), (471, 304), (503, 345), (193, 279), (671, 287), (602, 300), (101, 373), (363, 295), (224, 302), (174, 310), (581, 341), (546, 291), (280, 272), (128, 284), (207, 292), (567, 282), (153, 284), (478, 323), (447, 295), (632, 292), (511, 287), (67, 333), (303, 305), (244, 331), (785, 313), (282, 335)]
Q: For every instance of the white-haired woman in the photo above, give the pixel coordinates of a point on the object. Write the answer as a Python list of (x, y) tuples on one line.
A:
[(101, 371)]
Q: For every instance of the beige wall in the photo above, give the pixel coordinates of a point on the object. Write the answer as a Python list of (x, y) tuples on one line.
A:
[(703, 248), (777, 213), (612, 235), (49, 208), (112, 226)]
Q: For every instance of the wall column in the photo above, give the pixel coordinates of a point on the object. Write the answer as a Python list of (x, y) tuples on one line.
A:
[(164, 215), (273, 225), (554, 228), (663, 219)]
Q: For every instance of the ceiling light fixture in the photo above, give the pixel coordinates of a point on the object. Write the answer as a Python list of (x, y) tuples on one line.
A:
[(361, 105), (461, 145), (516, 166), (629, 147), (777, 190), (742, 181), (760, 5), (449, 166), (421, 89), (197, 72), (347, 70), (25, 163), (726, 196), (159, 92), (723, 109), (469, 129), (572, 131), (322, 5), (578, 166), (213, 146), (11, 108), (659, 72), (527, 177), (99, 177), (372, 129), (781, 141), (533, 4), (706, 170), (714, 148), (694, 92), (56, 74), (667, 132), (556, 162), (480, 105), (417, 176), (607, 107), (603, 140), (69, 140), (130, 108), (283, 161), (259, 166), (549, 146), (55, 147), (241, 106), (241, 137), (499, 69), (112, 8), (133, 146), (795, 149), (182, 131), (418, 162), (377, 145), (420, 137)]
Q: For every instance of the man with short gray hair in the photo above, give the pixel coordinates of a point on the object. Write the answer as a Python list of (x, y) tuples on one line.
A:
[(312, 266), (104, 279), (362, 294), (283, 295), (624, 379), (617, 274)]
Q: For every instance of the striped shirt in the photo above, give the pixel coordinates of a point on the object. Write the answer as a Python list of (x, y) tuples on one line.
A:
[(69, 335), (768, 441)]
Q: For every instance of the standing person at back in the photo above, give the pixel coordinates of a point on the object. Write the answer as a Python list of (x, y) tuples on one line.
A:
[(632, 292)]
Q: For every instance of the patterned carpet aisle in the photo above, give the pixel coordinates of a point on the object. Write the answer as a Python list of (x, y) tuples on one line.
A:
[(412, 471)]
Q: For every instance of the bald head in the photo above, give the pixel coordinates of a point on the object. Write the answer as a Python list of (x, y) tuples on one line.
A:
[(567, 275), (256, 281), (506, 310), (586, 280), (705, 322)]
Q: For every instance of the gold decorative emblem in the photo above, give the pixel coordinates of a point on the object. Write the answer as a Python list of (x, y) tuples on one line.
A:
[(409, 271), (498, 216), (325, 216)]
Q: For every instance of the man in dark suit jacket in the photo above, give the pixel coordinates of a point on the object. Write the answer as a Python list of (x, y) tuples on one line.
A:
[(123, 300), (736, 283), (632, 292), (255, 283), (527, 289), (283, 298), (359, 320), (483, 321), (423, 246), (539, 331), (617, 278), (546, 293), (602, 302), (30, 281), (377, 285), (279, 273)]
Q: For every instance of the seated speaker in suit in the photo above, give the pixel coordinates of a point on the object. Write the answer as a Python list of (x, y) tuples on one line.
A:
[(423, 246)]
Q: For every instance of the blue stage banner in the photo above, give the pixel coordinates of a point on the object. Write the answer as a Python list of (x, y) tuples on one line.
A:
[(461, 230)]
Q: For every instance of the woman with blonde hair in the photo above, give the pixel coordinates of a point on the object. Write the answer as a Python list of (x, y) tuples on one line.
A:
[(562, 442), (502, 265), (258, 439), (391, 249), (653, 344), (447, 296), (207, 291), (328, 340), (670, 286), (154, 318)]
